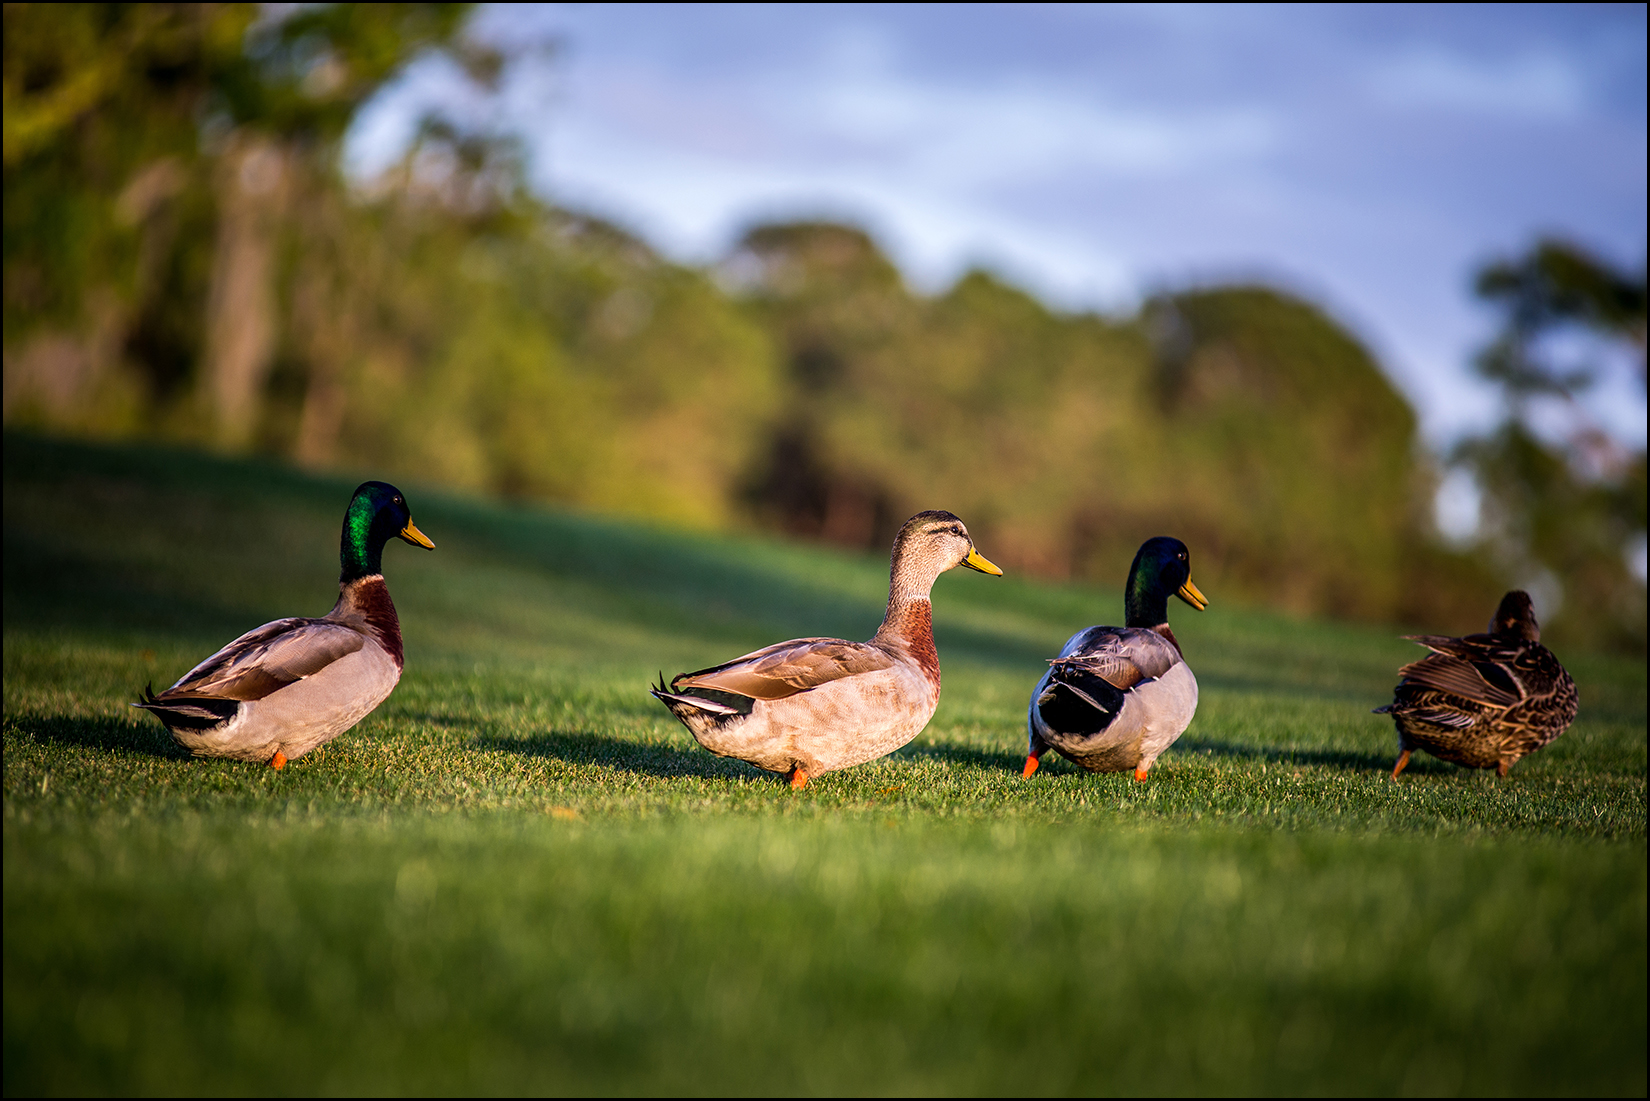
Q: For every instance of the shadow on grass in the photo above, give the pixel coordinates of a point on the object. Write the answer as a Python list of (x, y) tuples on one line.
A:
[(579, 748), (98, 733), (1013, 762), (1355, 760), (983, 759)]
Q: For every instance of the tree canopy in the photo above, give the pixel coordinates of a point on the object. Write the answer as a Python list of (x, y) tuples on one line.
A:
[(185, 261)]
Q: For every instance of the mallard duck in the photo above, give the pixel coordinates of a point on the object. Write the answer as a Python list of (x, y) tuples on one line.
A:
[(1117, 697), (816, 705), (1484, 700), (279, 691)]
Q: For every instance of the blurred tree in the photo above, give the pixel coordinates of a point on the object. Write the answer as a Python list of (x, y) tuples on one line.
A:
[(1296, 457), (185, 259), (830, 299), (1563, 517), (132, 128), (1239, 418)]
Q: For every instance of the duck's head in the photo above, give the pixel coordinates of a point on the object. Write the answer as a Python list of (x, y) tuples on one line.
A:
[(929, 544), (1162, 567), (1515, 618), (376, 514)]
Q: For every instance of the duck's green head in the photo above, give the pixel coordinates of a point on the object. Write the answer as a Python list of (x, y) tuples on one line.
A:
[(377, 513), (1162, 566)]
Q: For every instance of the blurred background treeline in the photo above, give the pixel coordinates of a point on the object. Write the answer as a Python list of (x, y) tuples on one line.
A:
[(186, 261)]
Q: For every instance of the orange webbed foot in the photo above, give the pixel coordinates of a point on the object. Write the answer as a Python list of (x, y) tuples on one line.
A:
[(1032, 761), (1140, 776), (1403, 761), (799, 778), (278, 761)]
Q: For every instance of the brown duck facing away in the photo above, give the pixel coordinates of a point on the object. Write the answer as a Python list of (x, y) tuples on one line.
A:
[(1486, 700), (816, 705), (284, 688)]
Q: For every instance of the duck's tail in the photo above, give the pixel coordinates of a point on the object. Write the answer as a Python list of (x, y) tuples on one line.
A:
[(188, 712), (703, 708)]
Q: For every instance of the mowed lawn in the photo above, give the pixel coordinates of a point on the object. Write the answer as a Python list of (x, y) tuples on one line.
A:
[(522, 875)]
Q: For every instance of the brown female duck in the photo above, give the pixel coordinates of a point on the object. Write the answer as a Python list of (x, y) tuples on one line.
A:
[(1486, 700)]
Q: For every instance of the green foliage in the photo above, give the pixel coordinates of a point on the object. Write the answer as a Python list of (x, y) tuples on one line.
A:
[(1279, 422), (1568, 512), (185, 262), (521, 875), (111, 109), (1556, 284), (1239, 419)]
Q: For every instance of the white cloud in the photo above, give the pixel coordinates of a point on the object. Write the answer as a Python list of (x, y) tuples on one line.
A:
[(1536, 85), (1090, 160)]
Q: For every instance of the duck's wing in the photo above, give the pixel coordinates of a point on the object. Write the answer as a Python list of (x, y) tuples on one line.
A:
[(786, 668), (267, 659), (1120, 656), (1480, 668)]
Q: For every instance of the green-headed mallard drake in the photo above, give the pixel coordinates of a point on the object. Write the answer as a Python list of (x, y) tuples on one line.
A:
[(815, 705), (277, 692), (1484, 700), (1117, 697)]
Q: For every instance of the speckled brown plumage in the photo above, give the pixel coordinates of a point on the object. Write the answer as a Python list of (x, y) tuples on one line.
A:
[(1486, 700)]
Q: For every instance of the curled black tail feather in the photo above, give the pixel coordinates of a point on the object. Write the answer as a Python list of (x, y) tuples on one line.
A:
[(188, 712)]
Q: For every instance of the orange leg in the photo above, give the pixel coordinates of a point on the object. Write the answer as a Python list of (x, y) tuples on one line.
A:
[(1140, 776), (799, 778), (1032, 761), (1503, 768), (278, 761), (1403, 760)]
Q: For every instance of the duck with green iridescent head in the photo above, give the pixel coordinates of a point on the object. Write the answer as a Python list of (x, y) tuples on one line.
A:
[(279, 691), (1117, 697)]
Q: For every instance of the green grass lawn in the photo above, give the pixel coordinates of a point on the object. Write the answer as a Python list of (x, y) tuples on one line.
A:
[(522, 875)]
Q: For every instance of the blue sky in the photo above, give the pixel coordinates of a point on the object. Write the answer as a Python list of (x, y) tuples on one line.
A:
[(1369, 157)]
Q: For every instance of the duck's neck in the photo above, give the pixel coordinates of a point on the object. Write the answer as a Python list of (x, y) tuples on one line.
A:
[(1144, 602), (908, 622), (1146, 605), (366, 601), (360, 549)]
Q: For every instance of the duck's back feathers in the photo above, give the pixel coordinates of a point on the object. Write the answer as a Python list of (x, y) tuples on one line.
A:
[(787, 668), (1121, 656), (267, 659)]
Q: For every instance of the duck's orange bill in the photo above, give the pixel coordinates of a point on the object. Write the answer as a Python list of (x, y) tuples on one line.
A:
[(978, 561), (1188, 592), (417, 538)]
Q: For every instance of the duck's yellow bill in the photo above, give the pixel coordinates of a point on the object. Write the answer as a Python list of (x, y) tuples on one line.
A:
[(978, 561), (417, 538), (1188, 592)]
